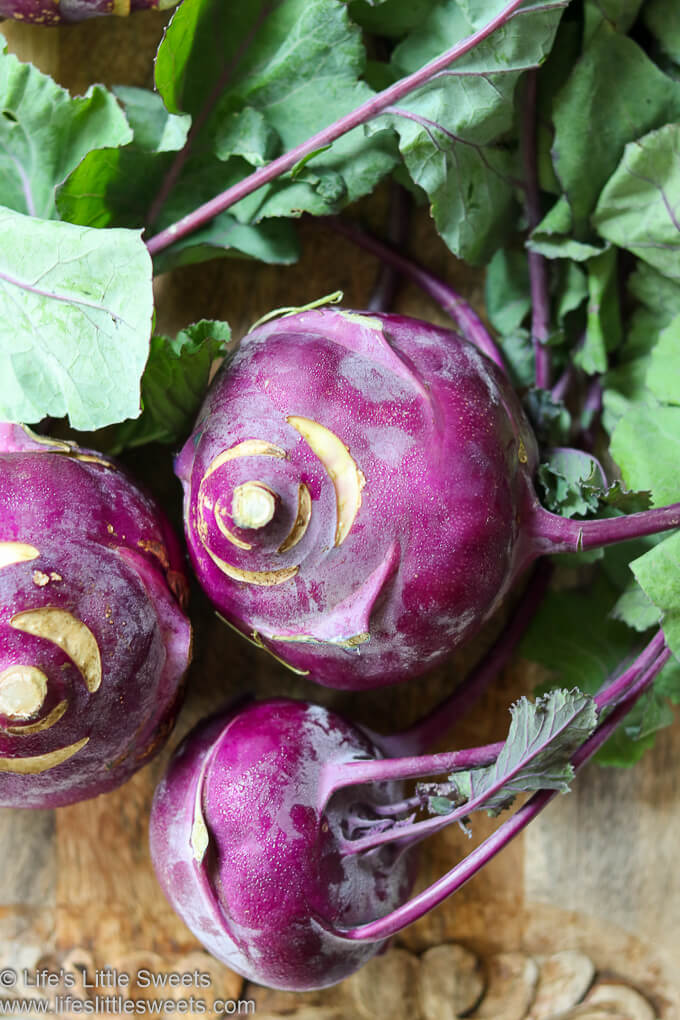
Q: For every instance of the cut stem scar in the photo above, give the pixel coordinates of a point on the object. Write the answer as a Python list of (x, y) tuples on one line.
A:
[(253, 505), (22, 692)]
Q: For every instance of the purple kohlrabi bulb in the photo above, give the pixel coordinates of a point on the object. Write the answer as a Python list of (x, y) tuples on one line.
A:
[(354, 493), (53, 12), (247, 844), (94, 642)]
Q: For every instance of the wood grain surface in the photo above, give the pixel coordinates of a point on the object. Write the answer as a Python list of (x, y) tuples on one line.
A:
[(597, 871)]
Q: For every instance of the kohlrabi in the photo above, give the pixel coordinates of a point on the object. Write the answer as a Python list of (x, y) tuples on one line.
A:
[(94, 642), (359, 497), (52, 12), (284, 836)]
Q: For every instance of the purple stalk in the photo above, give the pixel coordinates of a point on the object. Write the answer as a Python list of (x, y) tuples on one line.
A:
[(471, 326), (554, 534), (377, 770), (385, 290), (417, 738), (432, 896), (361, 115), (538, 277)]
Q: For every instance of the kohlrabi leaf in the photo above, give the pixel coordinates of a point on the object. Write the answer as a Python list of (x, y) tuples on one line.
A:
[(274, 242), (391, 18), (646, 447), (662, 18), (659, 304), (574, 637), (550, 419), (543, 737), (44, 134), (553, 236), (507, 292), (636, 609), (663, 374), (639, 207), (603, 328), (452, 131), (284, 71), (617, 14), (570, 482), (658, 573), (153, 128), (75, 318), (174, 384), (644, 98)]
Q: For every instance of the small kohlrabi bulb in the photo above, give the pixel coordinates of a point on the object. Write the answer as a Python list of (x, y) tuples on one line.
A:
[(53, 12), (354, 493), (247, 844), (94, 642)]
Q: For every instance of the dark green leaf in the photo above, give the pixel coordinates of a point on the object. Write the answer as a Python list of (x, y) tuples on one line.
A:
[(604, 328), (507, 292), (571, 482)]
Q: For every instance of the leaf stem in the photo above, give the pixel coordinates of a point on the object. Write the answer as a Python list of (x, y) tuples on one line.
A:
[(431, 897), (361, 115), (385, 290), (538, 277), (471, 326), (554, 534)]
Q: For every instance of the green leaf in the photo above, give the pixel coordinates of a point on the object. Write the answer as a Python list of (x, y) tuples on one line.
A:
[(452, 131), (574, 637), (572, 290), (659, 303), (75, 319), (44, 134), (571, 482), (636, 609), (663, 375), (287, 70), (552, 237), (543, 737), (391, 18), (274, 242), (644, 98), (638, 207), (507, 292), (658, 574), (618, 14), (662, 18), (153, 128), (549, 418), (174, 384), (646, 446), (604, 328)]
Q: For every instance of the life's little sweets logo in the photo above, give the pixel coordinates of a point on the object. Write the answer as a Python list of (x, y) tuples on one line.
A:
[(112, 978)]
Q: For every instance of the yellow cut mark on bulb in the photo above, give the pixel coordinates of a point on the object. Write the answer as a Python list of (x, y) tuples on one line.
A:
[(301, 523), (38, 727), (16, 552), (219, 513), (248, 448), (41, 762), (265, 578), (23, 690), (341, 468), (68, 633)]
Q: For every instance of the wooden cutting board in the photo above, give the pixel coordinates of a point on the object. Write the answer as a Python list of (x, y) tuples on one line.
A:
[(597, 871)]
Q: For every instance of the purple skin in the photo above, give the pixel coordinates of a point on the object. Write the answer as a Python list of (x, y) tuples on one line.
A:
[(94, 642), (253, 779), (420, 518), (281, 835), (436, 432), (54, 12)]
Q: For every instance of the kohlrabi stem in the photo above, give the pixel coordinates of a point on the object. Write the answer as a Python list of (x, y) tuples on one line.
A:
[(621, 686), (377, 770), (361, 115), (385, 290), (471, 326), (554, 534), (423, 734), (431, 897), (538, 275)]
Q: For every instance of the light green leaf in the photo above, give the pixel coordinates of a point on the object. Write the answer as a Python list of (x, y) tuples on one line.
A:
[(663, 375), (507, 292), (571, 482), (636, 609), (153, 128), (604, 328), (553, 236), (75, 319), (658, 573), (638, 209), (450, 131), (646, 446), (44, 134)]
